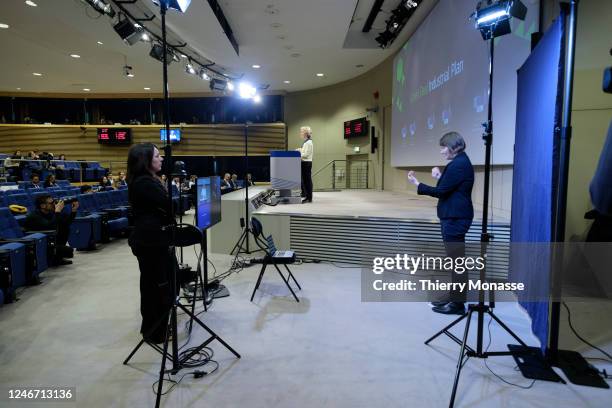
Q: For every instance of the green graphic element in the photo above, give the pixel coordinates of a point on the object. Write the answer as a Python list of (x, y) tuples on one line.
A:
[(400, 76)]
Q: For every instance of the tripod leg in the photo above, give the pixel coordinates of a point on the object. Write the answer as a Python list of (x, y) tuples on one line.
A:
[(212, 333), (286, 282), (503, 325), (292, 277), (193, 302), (444, 330), (127, 360), (263, 268), (162, 369), (461, 356), (239, 243)]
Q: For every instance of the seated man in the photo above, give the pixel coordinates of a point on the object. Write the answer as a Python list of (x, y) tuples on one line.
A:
[(35, 183), (49, 217), (234, 182), (226, 185)]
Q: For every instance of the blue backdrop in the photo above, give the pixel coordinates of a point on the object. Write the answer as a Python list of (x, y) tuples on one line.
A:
[(539, 107)]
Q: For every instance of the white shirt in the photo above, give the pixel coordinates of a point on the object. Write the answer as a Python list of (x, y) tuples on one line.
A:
[(306, 151)]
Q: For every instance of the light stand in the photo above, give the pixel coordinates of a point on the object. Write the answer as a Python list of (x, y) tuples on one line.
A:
[(171, 318), (491, 29)]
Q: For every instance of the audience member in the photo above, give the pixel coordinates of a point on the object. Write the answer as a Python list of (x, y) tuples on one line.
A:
[(226, 186), (50, 181), (35, 183), (121, 181), (234, 182), (250, 180), (105, 182), (48, 216), (86, 189)]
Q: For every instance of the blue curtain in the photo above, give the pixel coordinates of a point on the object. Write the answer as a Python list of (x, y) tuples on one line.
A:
[(538, 116)]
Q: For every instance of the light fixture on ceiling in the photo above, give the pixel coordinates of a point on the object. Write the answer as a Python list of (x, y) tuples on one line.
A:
[(128, 71), (36, 74), (102, 7), (190, 69), (411, 3), (203, 75), (75, 56), (217, 84), (146, 88), (320, 74), (100, 42), (157, 52), (86, 89), (257, 98), (287, 82), (256, 66), (145, 37), (128, 33), (19, 89), (394, 25), (230, 86), (31, 3), (2, 25)]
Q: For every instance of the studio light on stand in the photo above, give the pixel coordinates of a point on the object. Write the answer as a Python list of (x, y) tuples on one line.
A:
[(492, 20), (179, 361)]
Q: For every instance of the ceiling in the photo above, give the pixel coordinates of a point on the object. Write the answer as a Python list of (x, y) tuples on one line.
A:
[(292, 40)]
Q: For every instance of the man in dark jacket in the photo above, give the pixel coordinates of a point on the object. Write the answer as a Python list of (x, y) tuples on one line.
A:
[(48, 216)]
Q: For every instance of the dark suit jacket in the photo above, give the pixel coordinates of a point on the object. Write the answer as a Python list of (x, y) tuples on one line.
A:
[(150, 205), (454, 189)]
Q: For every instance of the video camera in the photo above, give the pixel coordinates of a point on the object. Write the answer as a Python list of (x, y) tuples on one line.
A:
[(67, 200)]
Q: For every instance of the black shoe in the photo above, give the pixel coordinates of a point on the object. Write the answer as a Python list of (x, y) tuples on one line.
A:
[(304, 201), (439, 303), (457, 308)]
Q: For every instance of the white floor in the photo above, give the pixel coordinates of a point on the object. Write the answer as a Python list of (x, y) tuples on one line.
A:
[(329, 350)]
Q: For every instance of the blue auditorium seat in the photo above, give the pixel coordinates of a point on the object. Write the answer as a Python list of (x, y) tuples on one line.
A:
[(22, 199), (17, 267), (36, 242)]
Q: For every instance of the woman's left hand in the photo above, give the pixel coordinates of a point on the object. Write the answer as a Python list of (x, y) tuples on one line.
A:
[(412, 179)]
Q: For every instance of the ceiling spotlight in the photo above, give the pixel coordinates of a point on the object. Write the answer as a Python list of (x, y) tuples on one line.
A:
[(86, 89), (411, 3), (145, 37), (31, 3), (2, 25), (75, 55), (190, 69), (230, 86), (204, 75), (178, 5), (102, 7), (256, 66), (183, 56), (217, 84), (157, 52), (320, 74), (100, 42), (127, 71), (287, 82), (36, 74), (128, 33), (246, 90), (19, 89), (146, 88), (257, 98)]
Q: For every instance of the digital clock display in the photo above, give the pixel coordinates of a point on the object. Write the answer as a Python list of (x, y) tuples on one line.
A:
[(115, 136), (356, 128)]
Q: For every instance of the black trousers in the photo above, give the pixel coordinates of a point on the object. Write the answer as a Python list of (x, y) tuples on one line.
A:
[(61, 239), (453, 235), (307, 180), (156, 298)]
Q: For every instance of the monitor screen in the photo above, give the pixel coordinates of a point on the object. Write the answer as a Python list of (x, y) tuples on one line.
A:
[(208, 201), (175, 135)]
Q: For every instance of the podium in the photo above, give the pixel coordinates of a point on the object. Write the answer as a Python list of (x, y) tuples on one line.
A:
[(286, 176)]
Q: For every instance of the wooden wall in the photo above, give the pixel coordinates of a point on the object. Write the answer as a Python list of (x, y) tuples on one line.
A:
[(81, 143)]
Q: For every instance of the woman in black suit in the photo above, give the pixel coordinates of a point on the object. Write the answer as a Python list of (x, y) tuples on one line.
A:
[(454, 193), (150, 238)]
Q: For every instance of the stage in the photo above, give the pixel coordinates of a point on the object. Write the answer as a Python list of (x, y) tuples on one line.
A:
[(351, 226)]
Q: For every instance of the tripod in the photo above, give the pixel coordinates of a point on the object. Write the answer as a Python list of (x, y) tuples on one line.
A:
[(171, 316), (481, 308)]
